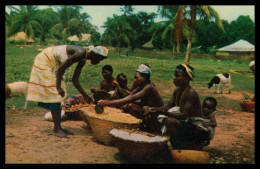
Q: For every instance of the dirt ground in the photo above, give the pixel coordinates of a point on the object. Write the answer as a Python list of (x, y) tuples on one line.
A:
[(29, 139)]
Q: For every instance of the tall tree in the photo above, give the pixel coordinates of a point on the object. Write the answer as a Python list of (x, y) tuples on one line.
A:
[(174, 24), (117, 28), (204, 11), (70, 22), (46, 19)]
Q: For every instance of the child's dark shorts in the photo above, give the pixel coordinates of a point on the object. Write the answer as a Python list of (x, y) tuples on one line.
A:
[(55, 107)]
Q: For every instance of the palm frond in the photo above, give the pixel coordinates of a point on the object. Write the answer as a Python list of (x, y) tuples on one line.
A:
[(215, 14), (170, 27)]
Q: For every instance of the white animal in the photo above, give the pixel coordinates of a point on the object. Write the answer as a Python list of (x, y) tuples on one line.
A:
[(16, 89), (219, 81)]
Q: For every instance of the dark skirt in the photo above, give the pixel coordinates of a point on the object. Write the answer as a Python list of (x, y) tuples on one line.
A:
[(54, 107)]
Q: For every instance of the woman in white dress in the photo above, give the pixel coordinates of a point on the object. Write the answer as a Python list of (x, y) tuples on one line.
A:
[(46, 85)]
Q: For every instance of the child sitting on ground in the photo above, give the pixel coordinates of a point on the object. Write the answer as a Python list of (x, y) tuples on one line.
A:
[(107, 86), (121, 90), (208, 107)]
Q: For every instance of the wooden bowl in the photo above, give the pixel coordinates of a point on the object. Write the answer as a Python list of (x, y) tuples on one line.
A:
[(247, 105), (190, 156), (136, 145)]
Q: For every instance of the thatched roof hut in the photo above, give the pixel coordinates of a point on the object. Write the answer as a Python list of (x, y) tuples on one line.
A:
[(148, 44), (75, 38), (21, 36)]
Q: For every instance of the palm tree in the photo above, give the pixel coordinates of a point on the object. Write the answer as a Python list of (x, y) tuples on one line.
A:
[(70, 22), (204, 11), (175, 24), (179, 21), (24, 19), (46, 19), (117, 28)]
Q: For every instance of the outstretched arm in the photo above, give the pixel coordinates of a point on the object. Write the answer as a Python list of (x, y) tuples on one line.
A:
[(125, 100)]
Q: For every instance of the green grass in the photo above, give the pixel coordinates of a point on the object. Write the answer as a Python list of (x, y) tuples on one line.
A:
[(19, 61)]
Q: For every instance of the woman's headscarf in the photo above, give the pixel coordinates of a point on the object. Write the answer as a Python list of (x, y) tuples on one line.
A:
[(189, 71), (144, 69), (100, 50)]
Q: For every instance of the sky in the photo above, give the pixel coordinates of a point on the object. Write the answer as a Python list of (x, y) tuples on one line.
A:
[(99, 13)]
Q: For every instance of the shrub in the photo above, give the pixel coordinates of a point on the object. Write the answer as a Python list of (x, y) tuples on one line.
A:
[(20, 42)]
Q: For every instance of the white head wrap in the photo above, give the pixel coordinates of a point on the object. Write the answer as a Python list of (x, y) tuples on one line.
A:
[(100, 50), (189, 71), (144, 69)]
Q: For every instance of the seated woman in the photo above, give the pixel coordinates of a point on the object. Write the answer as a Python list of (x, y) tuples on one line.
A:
[(183, 115), (145, 92)]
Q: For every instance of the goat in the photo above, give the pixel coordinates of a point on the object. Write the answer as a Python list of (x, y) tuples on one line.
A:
[(220, 80), (16, 89)]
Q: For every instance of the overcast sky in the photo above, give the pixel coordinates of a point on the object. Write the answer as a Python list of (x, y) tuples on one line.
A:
[(99, 13)]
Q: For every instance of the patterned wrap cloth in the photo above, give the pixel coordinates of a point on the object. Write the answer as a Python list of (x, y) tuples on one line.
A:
[(42, 84)]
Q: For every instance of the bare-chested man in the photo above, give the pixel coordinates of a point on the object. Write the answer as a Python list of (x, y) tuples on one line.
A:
[(145, 92), (183, 115)]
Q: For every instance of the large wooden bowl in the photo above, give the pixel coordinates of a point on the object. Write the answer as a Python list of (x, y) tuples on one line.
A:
[(190, 156), (136, 145)]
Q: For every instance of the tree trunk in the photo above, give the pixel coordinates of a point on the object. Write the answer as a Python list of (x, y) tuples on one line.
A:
[(178, 48), (118, 49), (192, 25)]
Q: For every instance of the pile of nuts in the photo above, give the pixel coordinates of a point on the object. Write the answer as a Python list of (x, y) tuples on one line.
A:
[(111, 114), (75, 107)]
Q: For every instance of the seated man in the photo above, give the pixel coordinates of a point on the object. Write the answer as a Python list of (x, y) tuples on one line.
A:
[(107, 85), (145, 91), (184, 117)]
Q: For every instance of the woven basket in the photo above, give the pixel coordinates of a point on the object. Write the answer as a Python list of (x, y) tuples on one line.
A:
[(190, 156), (73, 115), (101, 127), (136, 150)]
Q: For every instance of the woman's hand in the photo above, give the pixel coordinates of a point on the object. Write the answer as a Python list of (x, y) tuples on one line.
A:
[(61, 92), (104, 103), (146, 110), (88, 99)]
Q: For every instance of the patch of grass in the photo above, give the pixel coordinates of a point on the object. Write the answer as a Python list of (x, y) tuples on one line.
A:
[(19, 61)]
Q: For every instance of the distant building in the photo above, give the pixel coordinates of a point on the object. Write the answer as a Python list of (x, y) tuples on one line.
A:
[(238, 49), (21, 36)]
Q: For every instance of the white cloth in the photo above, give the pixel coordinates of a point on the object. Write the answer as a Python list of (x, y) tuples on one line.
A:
[(100, 50), (211, 131), (161, 117), (144, 69), (48, 115), (60, 53)]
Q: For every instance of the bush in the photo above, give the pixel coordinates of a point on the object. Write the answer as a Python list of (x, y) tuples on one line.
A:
[(11, 41), (20, 42)]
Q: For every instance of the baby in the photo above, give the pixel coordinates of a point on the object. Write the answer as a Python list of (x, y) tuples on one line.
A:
[(121, 89)]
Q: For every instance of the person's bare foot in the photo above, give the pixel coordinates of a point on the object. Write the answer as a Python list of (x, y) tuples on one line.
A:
[(61, 134), (66, 131)]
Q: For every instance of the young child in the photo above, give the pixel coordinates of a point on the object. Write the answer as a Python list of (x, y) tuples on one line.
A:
[(208, 107), (121, 90), (106, 86)]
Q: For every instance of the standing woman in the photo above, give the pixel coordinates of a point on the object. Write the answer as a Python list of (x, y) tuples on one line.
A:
[(46, 85)]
